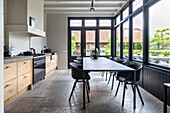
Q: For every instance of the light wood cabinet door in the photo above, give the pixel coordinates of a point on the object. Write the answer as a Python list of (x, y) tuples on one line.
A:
[(10, 71), (10, 89), (24, 81), (48, 59), (56, 61), (24, 67)]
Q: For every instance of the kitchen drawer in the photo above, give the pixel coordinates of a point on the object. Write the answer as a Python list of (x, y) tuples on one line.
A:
[(10, 71), (10, 89), (24, 81), (24, 67), (48, 59)]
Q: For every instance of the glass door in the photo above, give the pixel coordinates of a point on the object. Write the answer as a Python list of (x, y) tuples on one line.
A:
[(90, 41)]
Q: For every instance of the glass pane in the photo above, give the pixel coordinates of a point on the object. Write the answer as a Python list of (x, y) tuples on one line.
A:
[(76, 43), (90, 41), (105, 42), (118, 20), (137, 4), (138, 37), (159, 52), (90, 23), (75, 23), (105, 23), (118, 41), (126, 39), (126, 13)]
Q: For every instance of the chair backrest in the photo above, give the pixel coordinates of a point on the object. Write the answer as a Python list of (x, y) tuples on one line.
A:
[(76, 70), (78, 61), (79, 58), (138, 69)]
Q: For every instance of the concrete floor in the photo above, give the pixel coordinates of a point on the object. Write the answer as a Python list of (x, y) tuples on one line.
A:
[(51, 96)]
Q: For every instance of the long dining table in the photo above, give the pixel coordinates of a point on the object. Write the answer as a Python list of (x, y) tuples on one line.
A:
[(104, 64)]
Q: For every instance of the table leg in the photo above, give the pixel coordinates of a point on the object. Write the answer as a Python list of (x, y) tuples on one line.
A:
[(134, 98), (84, 106), (165, 99)]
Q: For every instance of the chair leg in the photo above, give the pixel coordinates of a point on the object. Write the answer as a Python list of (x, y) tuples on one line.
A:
[(87, 91), (106, 75), (102, 74), (132, 88), (139, 94), (88, 85), (124, 90), (112, 82), (73, 89), (117, 89), (109, 78)]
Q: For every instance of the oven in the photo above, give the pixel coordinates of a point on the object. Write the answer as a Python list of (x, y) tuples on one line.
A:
[(39, 68)]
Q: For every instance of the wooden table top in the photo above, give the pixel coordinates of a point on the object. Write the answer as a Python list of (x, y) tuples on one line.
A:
[(103, 64)]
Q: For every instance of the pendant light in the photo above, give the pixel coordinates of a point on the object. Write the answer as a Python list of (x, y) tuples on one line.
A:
[(92, 6)]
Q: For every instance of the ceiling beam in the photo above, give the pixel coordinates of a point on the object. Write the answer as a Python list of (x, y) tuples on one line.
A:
[(82, 8), (84, 2), (82, 13)]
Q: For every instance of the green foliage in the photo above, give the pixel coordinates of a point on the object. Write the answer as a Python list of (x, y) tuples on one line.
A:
[(137, 45), (108, 47), (126, 45), (73, 45), (160, 39), (159, 52)]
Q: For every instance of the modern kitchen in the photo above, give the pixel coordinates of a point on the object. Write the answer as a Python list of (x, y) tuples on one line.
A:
[(57, 53)]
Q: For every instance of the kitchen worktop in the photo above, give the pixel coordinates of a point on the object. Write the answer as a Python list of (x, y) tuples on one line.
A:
[(13, 59)]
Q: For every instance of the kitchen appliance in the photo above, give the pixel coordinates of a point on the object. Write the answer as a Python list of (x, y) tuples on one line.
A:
[(39, 68), (38, 65), (46, 50), (32, 50)]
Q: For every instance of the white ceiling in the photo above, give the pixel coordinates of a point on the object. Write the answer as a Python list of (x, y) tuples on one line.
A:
[(82, 7)]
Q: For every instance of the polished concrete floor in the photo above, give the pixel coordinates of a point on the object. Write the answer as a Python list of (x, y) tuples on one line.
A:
[(51, 96)]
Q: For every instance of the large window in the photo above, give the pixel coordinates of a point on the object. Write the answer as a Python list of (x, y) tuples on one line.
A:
[(159, 51), (138, 37), (105, 23), (126, 39), (90, 41), (137, 4), (118, 41), (75, 23), (126, 13), (105, 42), (76, 43), (118, 20), (90, 23)]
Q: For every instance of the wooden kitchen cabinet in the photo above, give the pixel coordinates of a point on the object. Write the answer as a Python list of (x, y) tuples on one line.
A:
[(17, 79), (24, 67), (51, 64), (10, 71), (10, 89), (24, 81)]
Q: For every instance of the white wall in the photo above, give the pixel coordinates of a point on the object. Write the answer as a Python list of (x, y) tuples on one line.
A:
[(1, 58), (19, 41), (57, 35)]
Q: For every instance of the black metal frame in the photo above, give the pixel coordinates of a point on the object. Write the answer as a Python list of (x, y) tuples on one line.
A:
[(83, 29), (144, 8)]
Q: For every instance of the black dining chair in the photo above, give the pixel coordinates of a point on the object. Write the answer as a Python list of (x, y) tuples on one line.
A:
[(79, 58), (128, 79), (78, 61), (113, 73), (78, 74)]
